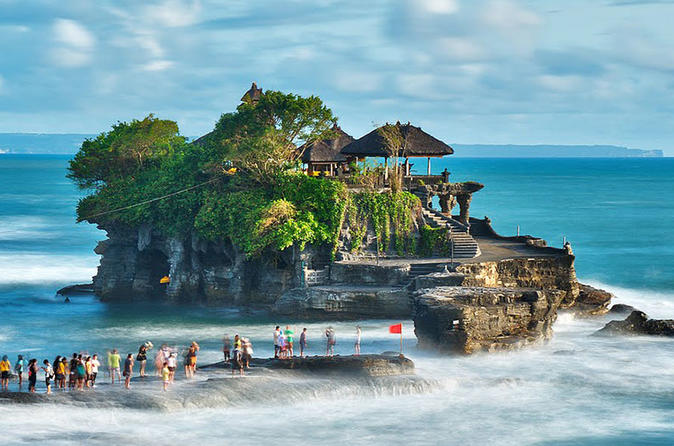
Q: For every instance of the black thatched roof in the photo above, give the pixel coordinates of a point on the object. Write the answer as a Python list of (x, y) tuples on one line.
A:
[(327, 150), (252, 95), (418, 143)]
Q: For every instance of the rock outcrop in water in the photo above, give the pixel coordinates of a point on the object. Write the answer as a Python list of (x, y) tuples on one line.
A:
[(638, 323), (362, 365), (471, 319)]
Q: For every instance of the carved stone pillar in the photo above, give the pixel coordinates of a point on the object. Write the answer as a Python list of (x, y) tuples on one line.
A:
[(464, 205), (447, 203)]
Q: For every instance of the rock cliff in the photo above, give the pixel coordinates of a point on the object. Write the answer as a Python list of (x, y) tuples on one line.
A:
[(471, 319)]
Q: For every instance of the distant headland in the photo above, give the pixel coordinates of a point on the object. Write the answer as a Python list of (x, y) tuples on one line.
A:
[(69, 143)]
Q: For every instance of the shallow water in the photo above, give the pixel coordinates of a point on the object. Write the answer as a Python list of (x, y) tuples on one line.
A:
[(576, 389)]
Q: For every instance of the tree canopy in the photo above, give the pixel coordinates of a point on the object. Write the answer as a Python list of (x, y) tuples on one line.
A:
[(124, 151)]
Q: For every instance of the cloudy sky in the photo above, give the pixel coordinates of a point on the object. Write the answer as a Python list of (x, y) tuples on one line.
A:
[(469, 71)]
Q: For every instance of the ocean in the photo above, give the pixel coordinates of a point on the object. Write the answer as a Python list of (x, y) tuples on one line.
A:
[(618, 215)]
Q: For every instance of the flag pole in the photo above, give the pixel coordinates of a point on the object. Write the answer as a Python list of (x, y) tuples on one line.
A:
[(401, 338)]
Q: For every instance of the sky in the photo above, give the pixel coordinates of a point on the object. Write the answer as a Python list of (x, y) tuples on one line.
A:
[(467, 71)]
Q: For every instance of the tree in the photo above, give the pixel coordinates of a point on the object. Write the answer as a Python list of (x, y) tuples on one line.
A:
[(123, 151), (261, 138), (396, 147)]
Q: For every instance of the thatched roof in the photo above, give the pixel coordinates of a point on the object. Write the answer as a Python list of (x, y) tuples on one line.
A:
[(418, 143), (327, 150), (252, 95)]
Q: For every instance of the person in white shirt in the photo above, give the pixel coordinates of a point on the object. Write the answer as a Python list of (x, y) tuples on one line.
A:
[(277, 332), (95, 364)]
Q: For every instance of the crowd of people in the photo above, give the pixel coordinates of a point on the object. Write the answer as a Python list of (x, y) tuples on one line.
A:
[(81, 370)]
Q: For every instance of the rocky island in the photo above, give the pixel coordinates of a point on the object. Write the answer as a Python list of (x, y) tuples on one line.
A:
[(278, 208)]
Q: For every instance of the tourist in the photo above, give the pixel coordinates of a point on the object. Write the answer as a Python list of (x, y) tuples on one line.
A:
[(48, 375), (66, 371), (303, 342), (19, 368), (282, 346), (161, 357), (32, 374), (128, 370), (237, 360), (289, 340), (172, 362), (5, 368), (72, 377), (87, 372), (191, 360), (113, 365), (141, 357), (277, 333), (81, 373), (59, 371), (247, 352), (331, 341), (357, 344), (226, 346), (165, 375), (95, 364)]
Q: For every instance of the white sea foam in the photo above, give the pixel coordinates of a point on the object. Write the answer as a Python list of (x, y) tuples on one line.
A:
[(14, 227), (38, 268)]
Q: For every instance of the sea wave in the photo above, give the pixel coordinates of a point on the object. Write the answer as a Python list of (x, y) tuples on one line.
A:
[(47, 269)]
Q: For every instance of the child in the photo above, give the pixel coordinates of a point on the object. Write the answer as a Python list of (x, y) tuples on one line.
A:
[(19, 368), (166, 376), (48, 375), (5, 367)]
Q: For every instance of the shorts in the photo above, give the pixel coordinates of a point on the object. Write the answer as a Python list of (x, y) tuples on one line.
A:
[(92, 377), (5, 375), (59, 376), (172, 369), (114, 369), (47, 382)]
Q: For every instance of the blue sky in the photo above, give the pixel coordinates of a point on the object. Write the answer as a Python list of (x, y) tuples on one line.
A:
[(468, 71)]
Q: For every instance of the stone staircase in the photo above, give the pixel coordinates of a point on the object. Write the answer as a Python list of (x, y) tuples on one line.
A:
[(465, 245)]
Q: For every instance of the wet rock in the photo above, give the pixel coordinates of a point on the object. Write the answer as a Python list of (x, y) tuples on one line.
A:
[(591, 301), (638, 323), (84, 288), (363, 365), (622, 309), (471, 319)]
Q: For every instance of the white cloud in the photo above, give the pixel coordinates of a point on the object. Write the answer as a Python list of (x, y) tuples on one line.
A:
[(75, 43), (508, 15), (174, 13), (2, 84), (417, 85), (439, 6), (461, 48), (352, 81), (158, 65), (71, 33), (560, 84)]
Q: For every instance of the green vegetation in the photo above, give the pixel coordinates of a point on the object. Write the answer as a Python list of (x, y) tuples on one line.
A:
[(239, 183), (433, 241), (392, 216)]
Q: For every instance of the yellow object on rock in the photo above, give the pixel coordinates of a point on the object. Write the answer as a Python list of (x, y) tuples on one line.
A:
[(165, 279)]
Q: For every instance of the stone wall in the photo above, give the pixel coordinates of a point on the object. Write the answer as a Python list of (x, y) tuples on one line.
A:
[(553, 272)]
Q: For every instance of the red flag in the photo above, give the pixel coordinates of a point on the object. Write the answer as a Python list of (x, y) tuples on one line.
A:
[(396, 328)]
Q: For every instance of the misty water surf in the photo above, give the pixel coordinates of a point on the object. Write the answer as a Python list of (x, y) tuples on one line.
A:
[(576, 389)]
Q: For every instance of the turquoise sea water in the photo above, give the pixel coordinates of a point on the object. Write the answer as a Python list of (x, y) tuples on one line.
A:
[(577, 389)]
